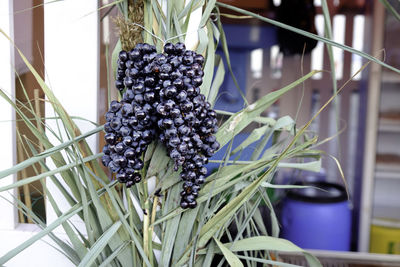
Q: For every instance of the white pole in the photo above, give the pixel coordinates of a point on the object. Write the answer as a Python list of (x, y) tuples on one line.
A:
[(72, 66), (374, 89), (7, 116)]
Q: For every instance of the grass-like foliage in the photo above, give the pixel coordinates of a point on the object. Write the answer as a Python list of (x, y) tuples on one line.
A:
[(144, 225)]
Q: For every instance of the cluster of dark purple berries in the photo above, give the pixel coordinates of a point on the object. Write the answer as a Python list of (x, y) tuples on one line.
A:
[(161, 98)]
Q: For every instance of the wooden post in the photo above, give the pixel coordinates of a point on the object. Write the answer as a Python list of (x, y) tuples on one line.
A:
[(27, 193), (40, 128)]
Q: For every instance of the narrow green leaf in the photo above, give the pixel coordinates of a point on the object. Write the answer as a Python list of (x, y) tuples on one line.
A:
[(391, 9), (223, 215), (61, 251), (314, 166), (115, 253), (243, 225), (36, 158), (149, 152), (80, 249), (190, 7), (216, 32), (203, 44), (12, 253), (212, 226), (107, 215), (67, 195), (232, 259), (158, 162), (269, 262), (222, 178), (100, 8), (171, 229), (329, 35), (99, 245), (69, 126), (177, 27), (137, 239), (188, 218), (125, 9), (259, 221), (66, 248), (255, 135), (284, 123), (217, 82), (160, 21), (209, 255), (227, 211), (169, 30), (187, 19), (222, 181), (237, 122), (169, 179), (114, 57), (282, 186), (57, 157), (207, 12), (231, 180), (46, 174), (209, 65), (224, 45), (270, 243)]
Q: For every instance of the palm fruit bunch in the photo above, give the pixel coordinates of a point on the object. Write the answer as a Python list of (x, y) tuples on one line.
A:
[(161, 99)]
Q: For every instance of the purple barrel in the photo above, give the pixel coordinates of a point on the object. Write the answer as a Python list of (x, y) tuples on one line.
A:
[(318, 217)]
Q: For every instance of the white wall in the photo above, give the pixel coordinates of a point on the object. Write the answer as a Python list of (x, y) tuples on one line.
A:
[(71, 61), (40, 254)]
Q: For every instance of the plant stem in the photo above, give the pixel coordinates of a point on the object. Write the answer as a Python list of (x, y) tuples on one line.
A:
[(147, 236), (130, 208)]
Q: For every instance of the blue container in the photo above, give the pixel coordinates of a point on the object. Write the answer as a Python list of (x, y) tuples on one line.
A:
[(317, 219)]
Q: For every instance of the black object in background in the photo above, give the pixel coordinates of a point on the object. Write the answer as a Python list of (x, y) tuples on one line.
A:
[(299, 14)]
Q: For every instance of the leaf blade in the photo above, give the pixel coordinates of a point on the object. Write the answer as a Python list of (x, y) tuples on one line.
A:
[(231, 258), (99, 245)]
